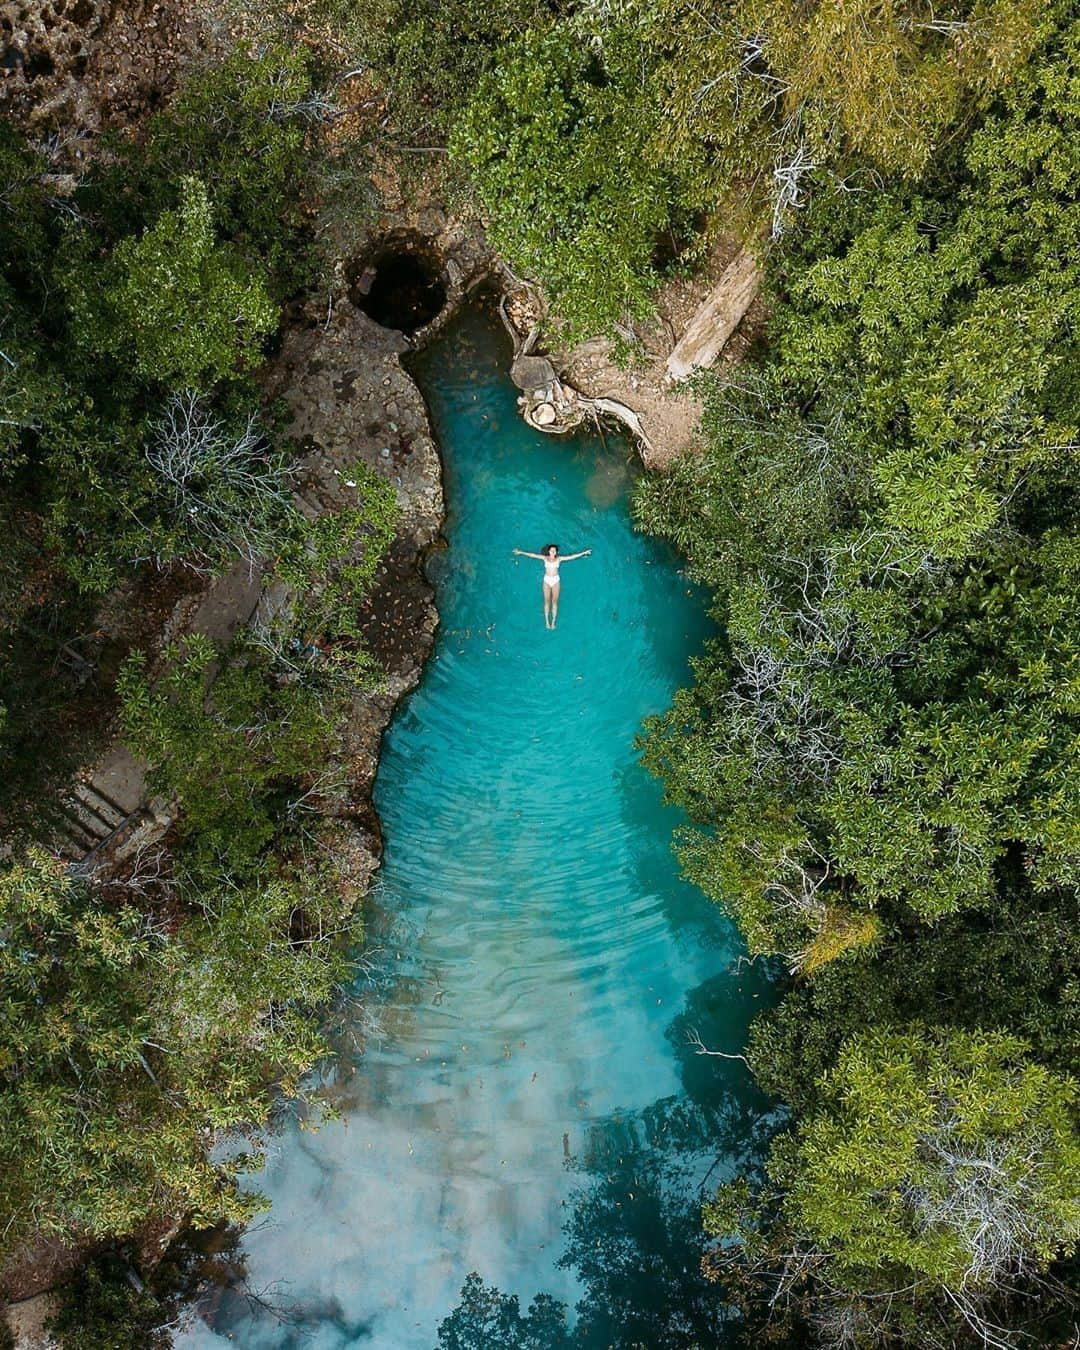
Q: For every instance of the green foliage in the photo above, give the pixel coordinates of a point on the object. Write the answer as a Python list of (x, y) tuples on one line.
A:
[(759, 94), (121, 296), (335, 558), (226, 738), (223, 754), (130, 1030), (89, 1142), (259, 964), (242, 126), (919, 1201), (141, 1016), (890, 81), (429, 54), (950, 1158), (157, 270), (891, 716), (878, 754), (106, 1307), (181, 1000), (26, 222), (1014, 971), (595, 133), (245, 125), (52, 717), (30, 394), (59, 951), (557, 140), (184, 307)]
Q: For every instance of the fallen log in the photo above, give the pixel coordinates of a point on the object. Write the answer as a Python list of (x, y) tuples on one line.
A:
[(719, 315)]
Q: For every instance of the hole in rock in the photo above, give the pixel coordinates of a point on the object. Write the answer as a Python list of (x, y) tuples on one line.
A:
[(39, 64), (400, 286)]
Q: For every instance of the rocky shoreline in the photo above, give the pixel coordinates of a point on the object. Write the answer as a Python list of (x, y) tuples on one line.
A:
[(352, 400)]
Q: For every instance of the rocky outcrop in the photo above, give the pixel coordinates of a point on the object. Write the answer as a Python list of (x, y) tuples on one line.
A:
[(89, 64), (26, 1321), (351, 400), (47, 44)]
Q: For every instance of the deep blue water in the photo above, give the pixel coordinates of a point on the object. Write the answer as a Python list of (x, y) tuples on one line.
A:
[(524, 1061)]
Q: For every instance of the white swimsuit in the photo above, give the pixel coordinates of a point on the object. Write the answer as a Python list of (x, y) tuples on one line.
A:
[(551, 572)]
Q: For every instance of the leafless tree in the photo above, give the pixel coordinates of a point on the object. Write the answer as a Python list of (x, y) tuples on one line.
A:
[(771, 700), (799, 882), (844, 1324), (805, 625), (943, 27), (789, 172), (230, 490), (317, 107), (312, 801), (986, 1194)]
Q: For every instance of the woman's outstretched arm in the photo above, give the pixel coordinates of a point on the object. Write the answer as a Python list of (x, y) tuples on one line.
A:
[(521, 553), (569, 557)]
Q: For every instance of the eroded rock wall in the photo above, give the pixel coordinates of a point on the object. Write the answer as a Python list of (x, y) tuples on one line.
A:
[(87, 64)]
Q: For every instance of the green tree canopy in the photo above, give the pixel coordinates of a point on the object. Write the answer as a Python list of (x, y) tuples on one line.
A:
[(887, 512), (945, 1157), (89, 1142), (888, 81), (557, 140), (180, 303), (136, 1021)]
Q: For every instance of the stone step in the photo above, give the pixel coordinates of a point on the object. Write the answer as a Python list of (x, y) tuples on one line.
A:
[(91, 824), (73, 839), (99, 804)]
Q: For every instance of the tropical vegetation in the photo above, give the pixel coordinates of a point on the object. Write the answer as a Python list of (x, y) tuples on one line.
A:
[(149, 1008), (878, 752)]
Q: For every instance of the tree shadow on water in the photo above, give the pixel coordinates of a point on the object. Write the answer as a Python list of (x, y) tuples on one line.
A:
[(634, 1240), (708, 1036)]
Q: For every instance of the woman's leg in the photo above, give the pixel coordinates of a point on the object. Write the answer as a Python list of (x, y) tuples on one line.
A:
[(554, 602), (547, 603)]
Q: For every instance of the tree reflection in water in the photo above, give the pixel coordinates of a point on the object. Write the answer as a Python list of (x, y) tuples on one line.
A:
[(633, 1229)]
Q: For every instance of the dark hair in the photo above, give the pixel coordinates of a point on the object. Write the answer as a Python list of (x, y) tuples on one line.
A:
[(547, 549)]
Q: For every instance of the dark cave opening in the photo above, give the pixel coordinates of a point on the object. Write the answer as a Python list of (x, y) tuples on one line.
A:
[(400, 286)]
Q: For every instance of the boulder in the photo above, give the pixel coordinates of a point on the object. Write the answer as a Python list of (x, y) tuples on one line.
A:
[(532, 372)]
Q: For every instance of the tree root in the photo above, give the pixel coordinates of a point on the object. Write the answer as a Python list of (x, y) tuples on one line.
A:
[(551, 405)]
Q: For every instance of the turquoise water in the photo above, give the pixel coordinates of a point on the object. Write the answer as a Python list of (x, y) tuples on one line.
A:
[(539, 963)]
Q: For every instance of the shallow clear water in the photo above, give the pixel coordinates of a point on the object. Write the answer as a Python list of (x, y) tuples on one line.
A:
[(541, 961)]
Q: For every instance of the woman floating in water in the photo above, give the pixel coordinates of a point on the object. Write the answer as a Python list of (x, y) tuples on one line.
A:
[(551, 560)]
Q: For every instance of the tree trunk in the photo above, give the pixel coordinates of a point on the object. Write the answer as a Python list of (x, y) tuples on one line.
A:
[(717, 318)]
